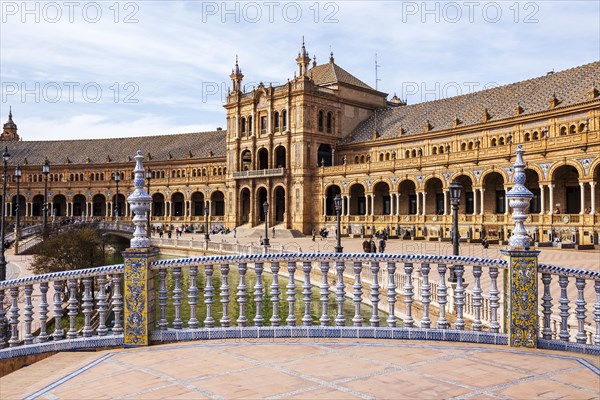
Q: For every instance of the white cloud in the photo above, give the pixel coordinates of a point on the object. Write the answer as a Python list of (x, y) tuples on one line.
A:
[(177, 54)]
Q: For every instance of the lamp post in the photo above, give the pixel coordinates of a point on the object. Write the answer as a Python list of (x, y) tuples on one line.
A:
[(116, 210), (266, 210), (45, 171), (148, 177), (337, 200), (18, 174), (455, 192), (206, 234), (5, 156)]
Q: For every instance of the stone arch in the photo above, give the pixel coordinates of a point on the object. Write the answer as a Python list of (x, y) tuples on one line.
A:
[(567, 193), (244, 202), (197, 204), (434, 195), (177, 204), (358, 200), (407, 189), (262, 158), (279, 204), (37, 205), (467, 199), (494, 194), (217, 203), (79, 205), (330, 192), (158, 205), (99, 205), (492, 170), (280, 156), (382, 200), (261, 196), (559, 164)]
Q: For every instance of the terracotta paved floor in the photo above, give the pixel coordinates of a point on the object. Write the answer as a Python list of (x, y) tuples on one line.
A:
[(309, 369)]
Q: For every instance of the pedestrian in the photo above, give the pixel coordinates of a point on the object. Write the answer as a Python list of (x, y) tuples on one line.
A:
[(381, 245), (373, 246), (366, 246), (273, 230), (235, 232), (314, 234)]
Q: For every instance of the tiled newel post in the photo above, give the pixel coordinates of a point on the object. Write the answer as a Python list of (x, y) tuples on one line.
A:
[(522, 287), (139, 310)]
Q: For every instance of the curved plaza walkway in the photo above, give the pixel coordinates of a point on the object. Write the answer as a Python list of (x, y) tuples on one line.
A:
[(309, 369)]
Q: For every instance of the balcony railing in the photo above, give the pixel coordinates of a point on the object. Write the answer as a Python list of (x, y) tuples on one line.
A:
[(259, 173)]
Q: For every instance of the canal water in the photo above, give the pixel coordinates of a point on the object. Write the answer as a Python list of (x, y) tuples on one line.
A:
[(250, 308)]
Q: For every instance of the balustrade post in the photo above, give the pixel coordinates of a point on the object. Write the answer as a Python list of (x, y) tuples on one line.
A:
[(597, 313), (28, 314), (14, 317), (275, 292), (580, 310), (102, 330), (375, 293), (291, 294), (324, 294), (242, 295), (340, 294), (225, 320), (425, 295), (258, 294), (43, 336), (140, 300), (408, 295), (193, 322), (442, 294), (357, 320), (521, 299), (3, 321), (209, 321), (391, 292)]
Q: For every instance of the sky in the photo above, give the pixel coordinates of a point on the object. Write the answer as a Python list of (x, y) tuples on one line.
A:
[(100, 69)]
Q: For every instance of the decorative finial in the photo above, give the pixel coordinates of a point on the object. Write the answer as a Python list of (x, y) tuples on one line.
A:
[(314, 61), (330, 55), (519, 197), (10, 113), (139, 202)]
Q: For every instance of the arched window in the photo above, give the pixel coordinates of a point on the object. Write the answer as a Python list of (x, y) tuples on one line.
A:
[(356, 159), (563, 131), (276, 121), (573, 130), (470, 146), (493, 142), (243, 126), (329, 122), (413, 153), (581, 127), (320, 121), (362, 159), (527, 137), (387, 156), (284, 119), (434, 150), (501, 141), (463, 146), (536, 135), (250, 125), (381, 157), (407, 154)]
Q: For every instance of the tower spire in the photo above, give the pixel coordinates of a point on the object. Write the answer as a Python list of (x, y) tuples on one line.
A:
[(236, 76), (303, 59)]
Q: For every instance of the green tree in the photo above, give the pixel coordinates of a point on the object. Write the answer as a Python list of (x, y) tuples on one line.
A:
[(75, 248)]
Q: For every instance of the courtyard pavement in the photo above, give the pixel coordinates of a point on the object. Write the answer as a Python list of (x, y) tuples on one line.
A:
[(308, 369)]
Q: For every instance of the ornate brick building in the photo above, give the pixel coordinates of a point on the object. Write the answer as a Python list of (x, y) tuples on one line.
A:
[(325, 132)]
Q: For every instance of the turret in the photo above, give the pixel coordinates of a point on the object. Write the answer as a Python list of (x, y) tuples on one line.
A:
[(236, 77), (303, 60), (9, 129)]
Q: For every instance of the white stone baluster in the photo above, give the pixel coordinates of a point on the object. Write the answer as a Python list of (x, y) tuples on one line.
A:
[(59, 332), (340, 294), (209, 321), (459, 297), (306, 293), (258, 294), (477, 298), (357, 320), (88, 307), (425, 295), (391, 294), (546, 306), (14, 317), (275, 292), (375, 294), (117, 301), (563, 281), (102, 306), (597, 313), (242, 295), (72, 307), (291, 294), (408, 295), (494, 301), (225, 320), (162, 299), (192, 296), (580, 310), (442, 294), (43, 336), (324, 294), (28, 314), (177, 297)]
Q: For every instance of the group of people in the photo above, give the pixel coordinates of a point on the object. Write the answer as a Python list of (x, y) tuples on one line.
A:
[(369, 245)]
